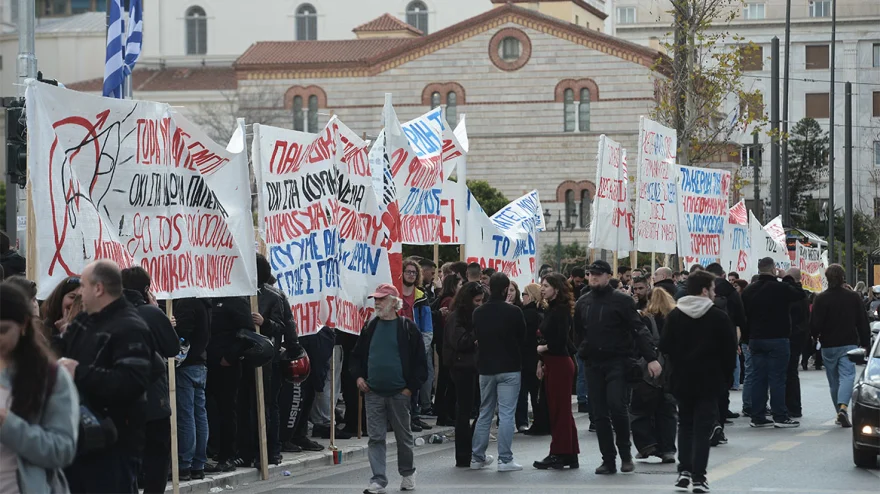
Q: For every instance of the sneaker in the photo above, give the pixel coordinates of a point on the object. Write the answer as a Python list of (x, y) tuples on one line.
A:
[(289, 447), (606, 469), (184, 474), (374, 488), (197, 474), (421, 423), (715, 438), (843, 419), (414, 426), (667, 458), (646, 453), (795, 415), (323, 432), (684, 480), (627, 466), (305, 444), (220, 467), (788, 423), (592, 427), (522, 428), (723, 439), (479, 465), (555, 462), (732, 415), (510, 466), (761, 423), (430, 412), (701, 486), (408, 483)]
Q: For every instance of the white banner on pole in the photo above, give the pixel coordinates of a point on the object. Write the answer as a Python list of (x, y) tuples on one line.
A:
[(809, 261), (611, 225), (765, 242), (701, 199), (656, 216)]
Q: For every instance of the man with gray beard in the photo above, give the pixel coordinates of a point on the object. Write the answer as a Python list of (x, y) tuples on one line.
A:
[(389, 364)]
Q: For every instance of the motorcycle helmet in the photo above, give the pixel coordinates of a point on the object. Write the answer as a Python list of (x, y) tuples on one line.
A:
[(295, 367), (255, 350)]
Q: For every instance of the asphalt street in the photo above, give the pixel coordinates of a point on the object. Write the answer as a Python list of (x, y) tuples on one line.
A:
[(815, 458)]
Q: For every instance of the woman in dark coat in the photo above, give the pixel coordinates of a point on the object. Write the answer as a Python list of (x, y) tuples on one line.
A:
[(532, 299)]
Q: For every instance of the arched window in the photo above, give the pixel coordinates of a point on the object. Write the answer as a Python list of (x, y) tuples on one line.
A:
[(435, 99), (298, 118), (313, 114), (511, 48), (584, 111), (570, 211), (586, 204), (306, 23), (417, 16), (451, 109), (569, 110), (196, 31)]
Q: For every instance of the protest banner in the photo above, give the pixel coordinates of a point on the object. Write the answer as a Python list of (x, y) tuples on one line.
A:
[(701, 196), (766, 243), (612, 201), (656, 217), (136, 183), (736, 254), (386, 197), (452, 197), (323, 228), (809, 261)]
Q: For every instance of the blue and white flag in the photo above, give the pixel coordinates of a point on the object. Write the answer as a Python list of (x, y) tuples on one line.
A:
[(113, 66), (135, 38)]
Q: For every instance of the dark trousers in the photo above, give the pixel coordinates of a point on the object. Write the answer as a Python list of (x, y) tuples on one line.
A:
[(248, 440), (559, 375), (792, 380), (541, 423), (444, 398), (769, 360), (350, 396), (696, 418), (465, 383), (295, 402), (528, 392), (653, 419), (111, 471), (222, 387), (157, 455), (809, 350), (609, 400)]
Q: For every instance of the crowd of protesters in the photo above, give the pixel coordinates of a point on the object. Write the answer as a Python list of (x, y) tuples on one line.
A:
[(651, 357)]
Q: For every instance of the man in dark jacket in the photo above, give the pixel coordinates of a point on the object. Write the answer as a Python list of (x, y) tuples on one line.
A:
[(800, 333), (728, 300), (500, 329), (108, 351), (699, 340), (611, 328), (157, 447), (193, 325), (663, 279), (11, 262), (389, 364), (840, 323), (767, 305)]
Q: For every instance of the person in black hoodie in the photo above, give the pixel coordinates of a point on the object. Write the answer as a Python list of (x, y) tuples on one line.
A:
[(800, 333), (11, 262), (108, 351), (556, 350), (663, 279), (193, 325), (700, 342), (157, 447), (767, 305), (612, 329), (460, 356), (728, 300), (528, 391)]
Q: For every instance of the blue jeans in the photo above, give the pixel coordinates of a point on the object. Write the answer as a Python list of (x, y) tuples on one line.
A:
[(581, 386), (501, 390), (841, 373), (769, 366), (192, 418), (749, 377), (736, 374)]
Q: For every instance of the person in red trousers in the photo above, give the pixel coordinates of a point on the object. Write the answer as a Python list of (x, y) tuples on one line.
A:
[(555, 350)]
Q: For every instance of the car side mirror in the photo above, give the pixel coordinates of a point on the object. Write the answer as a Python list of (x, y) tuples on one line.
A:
[(858, 356)]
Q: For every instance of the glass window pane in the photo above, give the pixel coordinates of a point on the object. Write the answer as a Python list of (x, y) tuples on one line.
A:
[(876, 153), (313, 114), (569, 110), (196, 31), (451, 109), (435, 100), (306, 23), (569, 208), (876, 54), (298, 123), (584, 111), (586, 204), (417, 16), (510, 49)]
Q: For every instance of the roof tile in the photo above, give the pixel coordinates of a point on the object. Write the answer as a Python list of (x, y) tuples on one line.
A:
[(386, 22), (171, 79), (319, 53)]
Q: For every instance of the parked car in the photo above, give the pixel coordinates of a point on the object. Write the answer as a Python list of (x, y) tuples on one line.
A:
[(866, 407)]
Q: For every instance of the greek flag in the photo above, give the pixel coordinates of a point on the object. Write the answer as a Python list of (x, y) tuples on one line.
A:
[(113, 66), (135, 37)]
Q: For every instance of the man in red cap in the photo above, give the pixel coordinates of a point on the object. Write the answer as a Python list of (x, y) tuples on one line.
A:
[(389, 364)]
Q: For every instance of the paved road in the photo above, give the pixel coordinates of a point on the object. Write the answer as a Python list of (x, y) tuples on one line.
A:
[(815, 458)]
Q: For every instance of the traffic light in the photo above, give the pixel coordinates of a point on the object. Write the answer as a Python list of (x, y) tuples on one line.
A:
[(16, 142)]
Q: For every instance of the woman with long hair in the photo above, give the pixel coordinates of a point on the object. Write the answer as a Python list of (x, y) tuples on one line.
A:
[(513, 295), (660, 304), (460, 355), (39, 407), (532, 300), (56, 307), (558, 372), (444, 398)]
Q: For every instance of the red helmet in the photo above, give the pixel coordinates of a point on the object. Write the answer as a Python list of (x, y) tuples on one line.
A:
[(295, 370)]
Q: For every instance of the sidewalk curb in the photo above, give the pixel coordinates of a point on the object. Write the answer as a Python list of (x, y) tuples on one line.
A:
[(303, 462)]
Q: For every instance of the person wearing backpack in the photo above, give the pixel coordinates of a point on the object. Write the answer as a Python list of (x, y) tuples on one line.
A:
[(39, 406)]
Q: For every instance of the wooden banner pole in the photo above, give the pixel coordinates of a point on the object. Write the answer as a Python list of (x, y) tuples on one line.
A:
[(172, 400), (653, 262), (437, 255), (614, 265), (592, 255), (261, 408), (360, 413), (634, 259)]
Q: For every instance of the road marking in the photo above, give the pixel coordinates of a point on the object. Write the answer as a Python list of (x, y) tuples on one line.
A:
[(813, 433), (732, 468), (554, 487), (781, 446), (831, 422)]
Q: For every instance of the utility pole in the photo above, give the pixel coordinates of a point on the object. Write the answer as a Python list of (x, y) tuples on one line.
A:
[(756, 166), (786, 200), (831, 131), (774, 126), (680, 76), (847, 185)]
